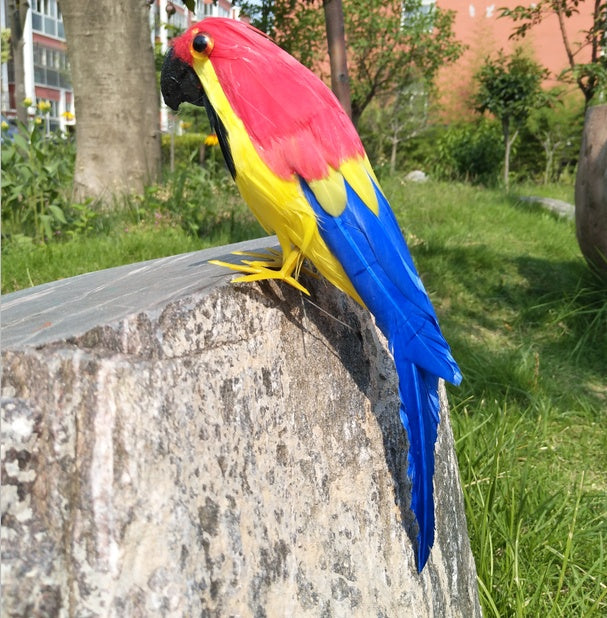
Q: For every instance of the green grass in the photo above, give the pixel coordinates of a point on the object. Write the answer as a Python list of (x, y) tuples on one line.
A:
[(563, 192), (527, 323)]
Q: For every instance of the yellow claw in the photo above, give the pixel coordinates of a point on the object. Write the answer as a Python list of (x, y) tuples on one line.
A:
[(270, 252), (276, 267)]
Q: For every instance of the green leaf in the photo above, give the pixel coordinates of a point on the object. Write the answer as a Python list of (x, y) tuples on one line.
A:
[(20, 142), (57, 213)]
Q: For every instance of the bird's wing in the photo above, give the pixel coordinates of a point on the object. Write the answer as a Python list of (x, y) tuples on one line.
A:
[(367, 241)]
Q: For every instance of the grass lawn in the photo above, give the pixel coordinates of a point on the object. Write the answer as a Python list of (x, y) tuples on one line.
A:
[(528, 325)]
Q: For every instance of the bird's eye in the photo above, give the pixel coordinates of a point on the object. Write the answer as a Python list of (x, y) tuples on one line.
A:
[(202, 44)]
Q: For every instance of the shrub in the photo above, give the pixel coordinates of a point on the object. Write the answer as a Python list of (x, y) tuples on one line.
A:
[(471, 152), (188, 149), (205, 202), (420, 152), (416, 145), (550, 142), (37, 174)]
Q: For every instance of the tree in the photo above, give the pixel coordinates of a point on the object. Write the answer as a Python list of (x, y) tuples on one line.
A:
[(17, 12), (590, 77), (558, 129), (116, 96), (394, 44), (591, 191), (509, 88), (389, 44), (392, 120)]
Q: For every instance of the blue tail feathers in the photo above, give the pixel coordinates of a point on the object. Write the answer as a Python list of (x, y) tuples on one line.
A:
[(419, 414)]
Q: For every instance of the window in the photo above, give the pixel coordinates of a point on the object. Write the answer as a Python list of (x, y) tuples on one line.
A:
[(46, 18), (51, 67), (205, 9), (212, 9)]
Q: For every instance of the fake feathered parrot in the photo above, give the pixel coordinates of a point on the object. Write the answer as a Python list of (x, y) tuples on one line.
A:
[(299, 164)]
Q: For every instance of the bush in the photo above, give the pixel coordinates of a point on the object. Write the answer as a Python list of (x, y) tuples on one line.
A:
[(37, 173), (189, 149), (37, 192), (549, 144), (416, 148), (205, 202), (471, 152)]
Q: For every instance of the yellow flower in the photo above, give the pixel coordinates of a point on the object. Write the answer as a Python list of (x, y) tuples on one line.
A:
[(68, 116), (44, 106), (186, 125), (37, 120), (27, 102), (211, 140), (4, 125)]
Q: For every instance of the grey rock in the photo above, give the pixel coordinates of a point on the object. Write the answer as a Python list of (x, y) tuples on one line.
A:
[(416, 176), (558, 207), (174, 445)]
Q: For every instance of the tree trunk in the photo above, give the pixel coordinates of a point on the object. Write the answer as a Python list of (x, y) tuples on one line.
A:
[(507, 143), (116, 97), (334, 20), (591, 190), (393, 152), (17, 12), (549, 150)]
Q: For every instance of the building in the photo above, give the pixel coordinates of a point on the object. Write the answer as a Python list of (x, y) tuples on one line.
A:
[(478, 25), (46, 71)]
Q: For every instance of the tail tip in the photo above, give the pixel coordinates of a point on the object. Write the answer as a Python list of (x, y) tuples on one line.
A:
[(423, 553)]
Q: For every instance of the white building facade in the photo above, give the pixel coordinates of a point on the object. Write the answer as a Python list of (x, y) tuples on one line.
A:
[(46, 68)]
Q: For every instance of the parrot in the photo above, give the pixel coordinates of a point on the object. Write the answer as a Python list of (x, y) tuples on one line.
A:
[(300, 165)]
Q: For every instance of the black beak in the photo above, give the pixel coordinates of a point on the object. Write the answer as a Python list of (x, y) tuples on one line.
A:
[(179, 83)]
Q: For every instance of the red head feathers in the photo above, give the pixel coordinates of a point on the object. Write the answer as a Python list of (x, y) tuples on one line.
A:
[(293, 119)]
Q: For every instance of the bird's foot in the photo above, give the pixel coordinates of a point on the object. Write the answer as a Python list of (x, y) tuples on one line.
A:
[(273, 259), (271, 265)]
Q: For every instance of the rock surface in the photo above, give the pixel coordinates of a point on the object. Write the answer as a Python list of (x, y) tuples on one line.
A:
[(174, 445)]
